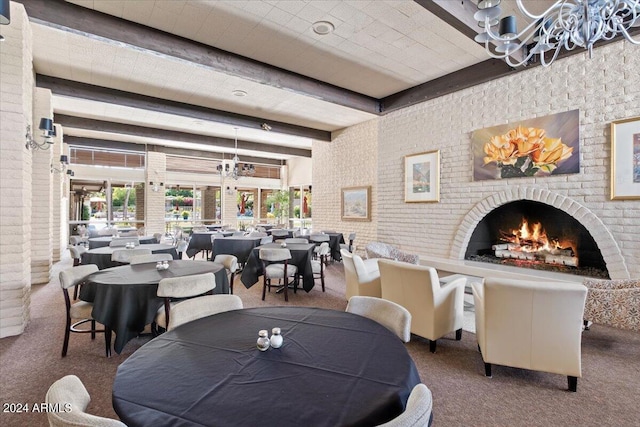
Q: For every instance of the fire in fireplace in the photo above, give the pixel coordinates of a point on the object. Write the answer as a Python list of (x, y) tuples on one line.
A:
[(535, 235)]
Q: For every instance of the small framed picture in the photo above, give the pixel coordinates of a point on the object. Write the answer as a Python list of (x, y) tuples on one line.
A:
[(625, 159), (422, 177), (356, 203)]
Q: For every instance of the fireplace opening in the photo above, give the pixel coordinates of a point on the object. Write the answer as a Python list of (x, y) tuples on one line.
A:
[(535, 235)]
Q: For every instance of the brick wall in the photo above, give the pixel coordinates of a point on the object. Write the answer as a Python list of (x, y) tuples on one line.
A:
[(16, 92), (154, 201), (604, 89)]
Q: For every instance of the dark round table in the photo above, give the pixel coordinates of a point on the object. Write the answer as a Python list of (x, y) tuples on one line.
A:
[(125, 298), (334, 369), (102, 256), (100, 242)]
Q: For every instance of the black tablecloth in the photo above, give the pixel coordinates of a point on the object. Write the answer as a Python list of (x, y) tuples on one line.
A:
[(240, 247), (214, 227), (102, 256), (301, 256), (124, 298), (334, 369), (100, 242), (335, 239), (202, 242)]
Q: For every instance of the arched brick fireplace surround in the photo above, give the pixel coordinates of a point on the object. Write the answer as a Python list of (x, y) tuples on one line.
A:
[(608, 247)]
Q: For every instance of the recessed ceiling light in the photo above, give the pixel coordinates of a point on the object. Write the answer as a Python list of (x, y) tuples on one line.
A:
[(323, 27), (239, 92)]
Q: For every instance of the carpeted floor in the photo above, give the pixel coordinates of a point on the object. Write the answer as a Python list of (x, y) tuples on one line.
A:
[(608, 394)]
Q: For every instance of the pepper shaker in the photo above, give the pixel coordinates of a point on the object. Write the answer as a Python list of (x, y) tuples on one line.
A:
[(276, 338), (263, 340)]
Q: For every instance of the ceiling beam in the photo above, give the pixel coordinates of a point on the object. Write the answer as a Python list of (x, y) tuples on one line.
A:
[(129, 146), (62, 14), (74, 89), (146, 132)]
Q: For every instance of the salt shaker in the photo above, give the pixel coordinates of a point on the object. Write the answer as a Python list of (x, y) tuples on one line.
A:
[(263, 340), (276, 338), (165, 265), (159, 265)]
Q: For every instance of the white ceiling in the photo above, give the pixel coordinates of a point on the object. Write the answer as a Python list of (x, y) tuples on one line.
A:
[(378, 48)]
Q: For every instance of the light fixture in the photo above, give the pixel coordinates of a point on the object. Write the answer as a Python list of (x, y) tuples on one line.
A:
[(567, 23), (48, 132), (230, 190), (155, 187), (239, 92), (64, 163), (323, 27), (266, 127), (233, 169)]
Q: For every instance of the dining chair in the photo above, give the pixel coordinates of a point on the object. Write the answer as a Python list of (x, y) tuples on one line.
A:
[(349, 247), (275, 265), (141, 231), (295, 240), (436, 309), (418, 411), (118, 242), (362, 276), (80, 310), (318, 265), (257, 234), (76, 254), (278, 233), (199, 307), (182, 246), (214, 236), (158, 237), (181, 287), (124, 256), (148, 258), (393, 316), (70, 396), (266, 239), (318, 239), (199, 229), (238, 234), (230, 263), (75, 240)]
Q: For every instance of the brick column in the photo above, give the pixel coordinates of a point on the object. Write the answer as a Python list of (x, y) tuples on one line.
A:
[(154, 201), (16, 93), (140, 203), (229, 204)]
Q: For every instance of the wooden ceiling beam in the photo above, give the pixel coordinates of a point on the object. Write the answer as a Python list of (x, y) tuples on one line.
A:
[(75, 89), (146, 132), (63, 14)]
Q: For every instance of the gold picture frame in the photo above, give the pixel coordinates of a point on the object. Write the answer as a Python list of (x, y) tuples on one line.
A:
[(422, 177), (356, 203), (625, 159)]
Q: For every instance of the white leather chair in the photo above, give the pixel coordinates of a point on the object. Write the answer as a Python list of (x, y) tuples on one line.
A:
[(71, 395), (181, 287), (436, 310), (230, 263), (318, 265), (362, 276), (196, 308), (145, 259), (124, 256), (275, 265), (418, 411), (392, 316), (531, 325)]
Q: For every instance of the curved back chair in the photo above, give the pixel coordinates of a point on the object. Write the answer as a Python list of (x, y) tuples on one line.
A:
[(158, 237), (124, 256), (182, 287), (80, 310), (362, 276), (531, 325), (393, 316), (70, 394), (145, 259), (198, 307), (349, 247), (230, 263), (118, 242), (182, 246), (295, 240), (418, 410), (437, 310), (279, 233), (275, 265), (76, 254), (317, 265)]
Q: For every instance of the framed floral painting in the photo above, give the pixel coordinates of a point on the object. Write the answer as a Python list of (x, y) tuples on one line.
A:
[(539, 147), (356, 203), (625, 159), (422, 177)]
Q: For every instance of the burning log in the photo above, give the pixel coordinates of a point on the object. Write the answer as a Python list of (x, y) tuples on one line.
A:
[(515, 255), (561, 259)]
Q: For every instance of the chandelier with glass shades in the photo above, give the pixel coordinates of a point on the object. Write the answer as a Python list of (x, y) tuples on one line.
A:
[(233, 169), (566, 24)]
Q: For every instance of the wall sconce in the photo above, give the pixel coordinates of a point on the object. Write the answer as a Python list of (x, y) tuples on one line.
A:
[(155, 187), (48, 132), (230, 190), (64, 162)]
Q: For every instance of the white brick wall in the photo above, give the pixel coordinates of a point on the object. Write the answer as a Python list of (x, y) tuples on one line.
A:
[(16, 91), (604, 89), (156, 172)]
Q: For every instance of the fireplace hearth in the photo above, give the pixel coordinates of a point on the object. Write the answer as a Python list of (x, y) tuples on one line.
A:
[(538, 236)]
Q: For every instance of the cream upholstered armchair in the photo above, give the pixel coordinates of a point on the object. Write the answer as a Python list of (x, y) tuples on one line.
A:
[(362, 276), (435, 310), (531, 325)]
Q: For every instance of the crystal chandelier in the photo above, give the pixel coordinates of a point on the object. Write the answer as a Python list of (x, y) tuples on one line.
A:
[(233, 169), (567, 23)]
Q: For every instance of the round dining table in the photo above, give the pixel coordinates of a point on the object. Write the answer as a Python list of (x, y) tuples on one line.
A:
[(102, 256), (100, 242), (333, 369), (125, 298)]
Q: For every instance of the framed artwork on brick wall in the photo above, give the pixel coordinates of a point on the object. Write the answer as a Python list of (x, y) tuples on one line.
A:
[(537, 147), (625, 159), (356, 203), (422, 177)]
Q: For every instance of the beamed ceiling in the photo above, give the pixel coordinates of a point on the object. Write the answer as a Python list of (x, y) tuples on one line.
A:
[(164, 73)]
